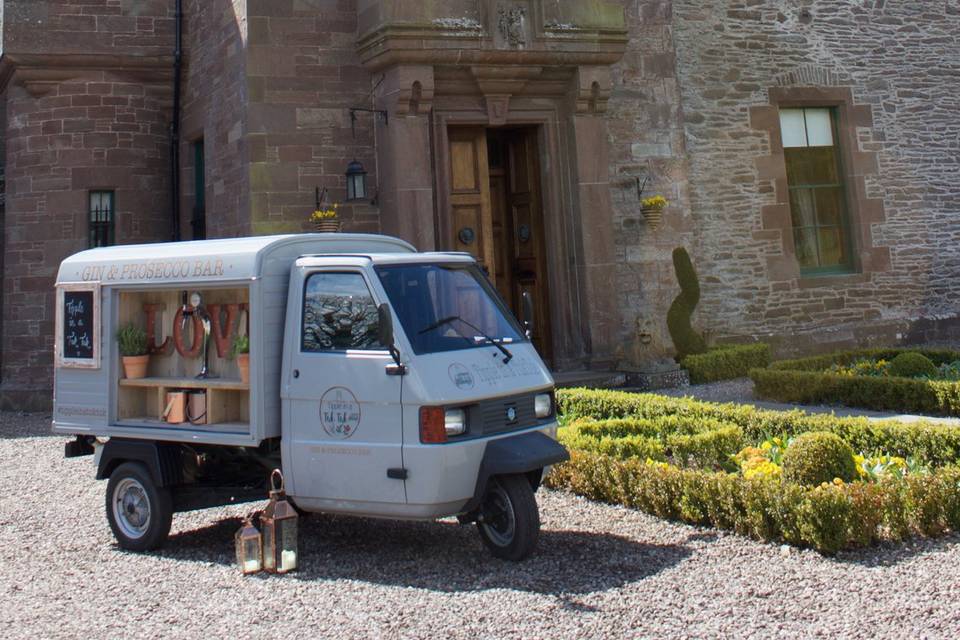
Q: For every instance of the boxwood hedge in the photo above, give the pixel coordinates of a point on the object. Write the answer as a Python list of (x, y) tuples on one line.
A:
[(726, 363), (809, 381), (827, 517)]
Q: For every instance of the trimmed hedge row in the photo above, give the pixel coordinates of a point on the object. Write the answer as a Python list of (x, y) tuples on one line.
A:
[(726, 363), (934, 444), (828, 517), (806, 381)]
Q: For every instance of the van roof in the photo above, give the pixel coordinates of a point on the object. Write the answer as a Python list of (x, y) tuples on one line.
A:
[(211, 260)]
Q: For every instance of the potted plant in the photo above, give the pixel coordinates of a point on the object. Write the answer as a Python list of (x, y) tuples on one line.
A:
[(241, 351), (652, 210), (325, 219), (132, 341)]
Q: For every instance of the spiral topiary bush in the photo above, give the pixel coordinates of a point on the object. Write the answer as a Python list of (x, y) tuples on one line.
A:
[(685, 339), (912, 365), (816, 457)]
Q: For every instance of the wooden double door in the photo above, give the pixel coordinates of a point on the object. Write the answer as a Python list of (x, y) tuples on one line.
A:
[(496, 214)]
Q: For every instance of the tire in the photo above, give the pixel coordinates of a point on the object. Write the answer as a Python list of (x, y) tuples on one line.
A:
[(509, 519), (139, 512)]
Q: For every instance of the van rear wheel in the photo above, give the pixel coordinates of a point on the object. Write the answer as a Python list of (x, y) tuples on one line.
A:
[(139, 512), (509, 519)]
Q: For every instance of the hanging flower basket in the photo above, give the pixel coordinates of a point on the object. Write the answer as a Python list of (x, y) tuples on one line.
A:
[(653, 216), (330, 225)]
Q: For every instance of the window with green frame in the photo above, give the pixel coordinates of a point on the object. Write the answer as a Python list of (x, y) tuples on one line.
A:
[(101, 218), (818, 206)]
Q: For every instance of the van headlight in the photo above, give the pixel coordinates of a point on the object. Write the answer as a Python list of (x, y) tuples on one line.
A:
[(543, 405), (455, 422)]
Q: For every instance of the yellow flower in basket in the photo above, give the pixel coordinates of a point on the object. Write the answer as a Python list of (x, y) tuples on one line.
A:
[(654, 202), (325, 214)]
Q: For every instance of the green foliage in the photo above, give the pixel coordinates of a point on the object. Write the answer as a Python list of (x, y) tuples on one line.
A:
[(707, 450), (132, 340), (914, 395), (241, 344), (932, 444), (816, 457), (826, 518), (912, 365), (685, 339), (726, 363)]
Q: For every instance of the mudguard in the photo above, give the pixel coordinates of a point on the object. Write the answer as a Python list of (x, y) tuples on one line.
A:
[(161, 459), (516, 454)]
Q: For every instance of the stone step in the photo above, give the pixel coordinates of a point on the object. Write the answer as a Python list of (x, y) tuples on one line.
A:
[(590, 379)]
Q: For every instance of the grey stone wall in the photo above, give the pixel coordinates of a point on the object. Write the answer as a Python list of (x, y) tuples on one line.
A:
[(693, 131)]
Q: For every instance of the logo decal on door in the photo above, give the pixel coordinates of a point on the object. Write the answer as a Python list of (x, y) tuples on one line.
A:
[(339, 413)]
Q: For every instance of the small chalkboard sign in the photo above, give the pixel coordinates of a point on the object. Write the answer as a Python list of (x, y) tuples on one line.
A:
[(78, 326)]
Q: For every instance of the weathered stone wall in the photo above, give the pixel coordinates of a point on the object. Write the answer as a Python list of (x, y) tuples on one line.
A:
[(900, 63)]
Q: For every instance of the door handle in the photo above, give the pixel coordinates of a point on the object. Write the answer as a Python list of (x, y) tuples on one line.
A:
[(296, 373)]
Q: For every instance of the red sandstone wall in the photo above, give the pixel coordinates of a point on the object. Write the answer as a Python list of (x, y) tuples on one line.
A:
[(303, 75), (73, 128), (214, 108)]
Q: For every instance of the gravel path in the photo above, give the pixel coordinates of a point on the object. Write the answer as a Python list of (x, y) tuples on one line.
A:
[(601, 571)]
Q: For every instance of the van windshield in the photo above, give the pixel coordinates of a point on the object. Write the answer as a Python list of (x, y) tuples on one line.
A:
[(447, 307)]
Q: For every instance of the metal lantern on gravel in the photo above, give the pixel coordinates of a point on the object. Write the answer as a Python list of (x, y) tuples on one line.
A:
[(249, 548), (279, 525)]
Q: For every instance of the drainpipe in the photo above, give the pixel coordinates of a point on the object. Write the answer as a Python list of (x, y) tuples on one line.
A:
[(175, 124)]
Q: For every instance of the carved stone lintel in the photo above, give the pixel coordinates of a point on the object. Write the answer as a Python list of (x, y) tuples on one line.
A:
[(592, 87), (498, 108)]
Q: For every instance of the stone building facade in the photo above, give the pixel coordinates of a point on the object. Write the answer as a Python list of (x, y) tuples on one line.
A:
[(518, 130)]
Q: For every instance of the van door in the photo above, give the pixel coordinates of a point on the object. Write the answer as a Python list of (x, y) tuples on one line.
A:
[(343, 432)]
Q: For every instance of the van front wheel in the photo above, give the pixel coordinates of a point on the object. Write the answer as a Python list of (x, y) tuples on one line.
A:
[(139, 512), (509, 520)]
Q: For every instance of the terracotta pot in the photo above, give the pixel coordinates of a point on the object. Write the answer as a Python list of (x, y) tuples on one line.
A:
[(135, 366), (653, 216), (243, 362), (328, 226)]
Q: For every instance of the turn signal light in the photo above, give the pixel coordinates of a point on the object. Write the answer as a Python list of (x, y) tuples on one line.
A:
[(433, 427)]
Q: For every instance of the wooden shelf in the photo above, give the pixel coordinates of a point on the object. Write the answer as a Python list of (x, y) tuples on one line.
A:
[(225, 384)]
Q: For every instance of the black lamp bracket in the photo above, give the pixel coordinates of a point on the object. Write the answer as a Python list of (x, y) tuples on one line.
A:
[(384, 115)]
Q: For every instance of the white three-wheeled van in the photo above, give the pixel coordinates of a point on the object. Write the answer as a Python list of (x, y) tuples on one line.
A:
[(382, 381)]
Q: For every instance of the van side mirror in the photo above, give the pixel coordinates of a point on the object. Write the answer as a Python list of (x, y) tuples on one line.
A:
[(386, 337), (527, 313)]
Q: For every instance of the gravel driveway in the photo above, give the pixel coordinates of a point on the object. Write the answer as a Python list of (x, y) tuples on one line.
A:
[(601, 571)]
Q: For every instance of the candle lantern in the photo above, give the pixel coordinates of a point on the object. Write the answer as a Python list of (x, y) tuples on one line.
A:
[(356, 181), (249, 550), (279, 523)]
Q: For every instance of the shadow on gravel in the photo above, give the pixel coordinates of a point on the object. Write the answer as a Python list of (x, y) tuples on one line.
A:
[(444, 556), (892, 554), (15, 425)]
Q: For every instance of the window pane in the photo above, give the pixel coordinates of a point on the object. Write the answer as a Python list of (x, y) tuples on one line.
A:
[(819, 127), (832, 252), (339, 314), (805, 241), (810, 166), (802, 208), (829, 206), (792, 130)]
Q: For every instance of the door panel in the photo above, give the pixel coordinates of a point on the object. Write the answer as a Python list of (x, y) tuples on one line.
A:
[(344, 410), (529, 247), (496, 215), (470, 195)]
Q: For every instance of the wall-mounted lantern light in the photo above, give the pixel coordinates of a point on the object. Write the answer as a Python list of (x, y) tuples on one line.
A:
[(356, 181)]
